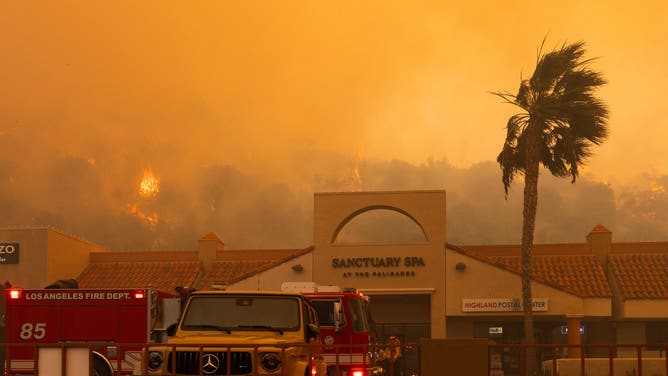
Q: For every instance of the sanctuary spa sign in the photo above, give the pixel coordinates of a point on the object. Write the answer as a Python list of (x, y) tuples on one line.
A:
[(378, 267)]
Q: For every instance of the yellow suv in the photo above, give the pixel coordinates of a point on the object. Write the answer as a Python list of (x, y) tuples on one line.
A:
[(240, 333)]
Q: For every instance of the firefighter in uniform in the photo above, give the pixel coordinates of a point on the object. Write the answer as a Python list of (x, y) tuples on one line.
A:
[(391, 358)]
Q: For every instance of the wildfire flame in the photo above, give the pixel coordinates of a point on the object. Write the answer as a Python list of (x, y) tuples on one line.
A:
[(649, 194), (151, 219), (657, 188), (355, 182), (149, 185)]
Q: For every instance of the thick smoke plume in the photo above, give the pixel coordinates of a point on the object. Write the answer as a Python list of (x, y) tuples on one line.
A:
[(240, 111), (100, 199)]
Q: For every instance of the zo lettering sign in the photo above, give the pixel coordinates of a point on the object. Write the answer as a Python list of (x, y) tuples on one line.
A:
[(501, 305), (9, 253)]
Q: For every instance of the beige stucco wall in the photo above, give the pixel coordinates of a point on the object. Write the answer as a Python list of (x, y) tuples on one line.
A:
[(45, 255), (67, 256), (645, 309), (332, 211), (481, 280)]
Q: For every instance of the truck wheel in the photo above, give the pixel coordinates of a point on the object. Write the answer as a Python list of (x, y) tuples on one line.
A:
[(101, 368)]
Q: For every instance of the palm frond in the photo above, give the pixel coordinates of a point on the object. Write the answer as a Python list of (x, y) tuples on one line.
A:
[(511, 157), (554, 65), (560, 99), (506, 96)]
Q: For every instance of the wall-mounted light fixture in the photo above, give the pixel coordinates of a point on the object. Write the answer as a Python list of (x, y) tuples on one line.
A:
[(298, 267), (460, 266)]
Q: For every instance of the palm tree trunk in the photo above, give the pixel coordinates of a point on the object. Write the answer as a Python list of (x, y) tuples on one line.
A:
[(528, 227)]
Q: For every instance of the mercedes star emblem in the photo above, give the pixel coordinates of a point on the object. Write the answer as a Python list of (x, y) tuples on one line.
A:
[(211, 364)]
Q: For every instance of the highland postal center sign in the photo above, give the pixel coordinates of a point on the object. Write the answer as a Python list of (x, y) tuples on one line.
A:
[(9, 253), (501, 305)]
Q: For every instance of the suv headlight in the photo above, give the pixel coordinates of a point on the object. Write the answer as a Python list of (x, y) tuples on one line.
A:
[(154, 360), (270, 361)]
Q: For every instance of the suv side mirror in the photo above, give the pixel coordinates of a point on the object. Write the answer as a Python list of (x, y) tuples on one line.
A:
[(171, 329)]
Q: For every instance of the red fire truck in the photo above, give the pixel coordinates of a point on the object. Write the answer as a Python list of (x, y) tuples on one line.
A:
[(345, 326), (101, 319)]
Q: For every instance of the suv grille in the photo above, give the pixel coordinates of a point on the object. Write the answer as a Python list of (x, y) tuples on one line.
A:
[(214, 363)]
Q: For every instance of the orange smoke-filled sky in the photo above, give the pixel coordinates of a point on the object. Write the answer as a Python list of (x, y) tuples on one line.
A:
[(247, 82)]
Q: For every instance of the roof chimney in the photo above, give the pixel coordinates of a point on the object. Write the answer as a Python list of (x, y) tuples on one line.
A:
[(207, 247), (600, 241)]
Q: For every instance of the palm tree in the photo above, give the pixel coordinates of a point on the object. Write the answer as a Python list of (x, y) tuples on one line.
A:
[(561, 120)]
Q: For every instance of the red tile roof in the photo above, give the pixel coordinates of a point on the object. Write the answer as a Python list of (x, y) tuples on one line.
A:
[(228, 272), (261, 254), (238, 265), (169, 269), (163, 275), (600, 228), (640, 276), (578, 274), (114, 256), (538, 249), (211, 236), (639, 247)]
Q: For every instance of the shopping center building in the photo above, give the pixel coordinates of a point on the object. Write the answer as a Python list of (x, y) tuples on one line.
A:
[(607, 292)]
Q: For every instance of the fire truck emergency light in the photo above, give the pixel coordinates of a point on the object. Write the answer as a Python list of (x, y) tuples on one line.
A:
[(139, 295), (14, 294)]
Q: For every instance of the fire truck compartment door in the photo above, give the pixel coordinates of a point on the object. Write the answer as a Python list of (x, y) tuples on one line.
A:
[(76, 358)]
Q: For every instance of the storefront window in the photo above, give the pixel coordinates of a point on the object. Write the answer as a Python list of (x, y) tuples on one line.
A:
[(656, 333)]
